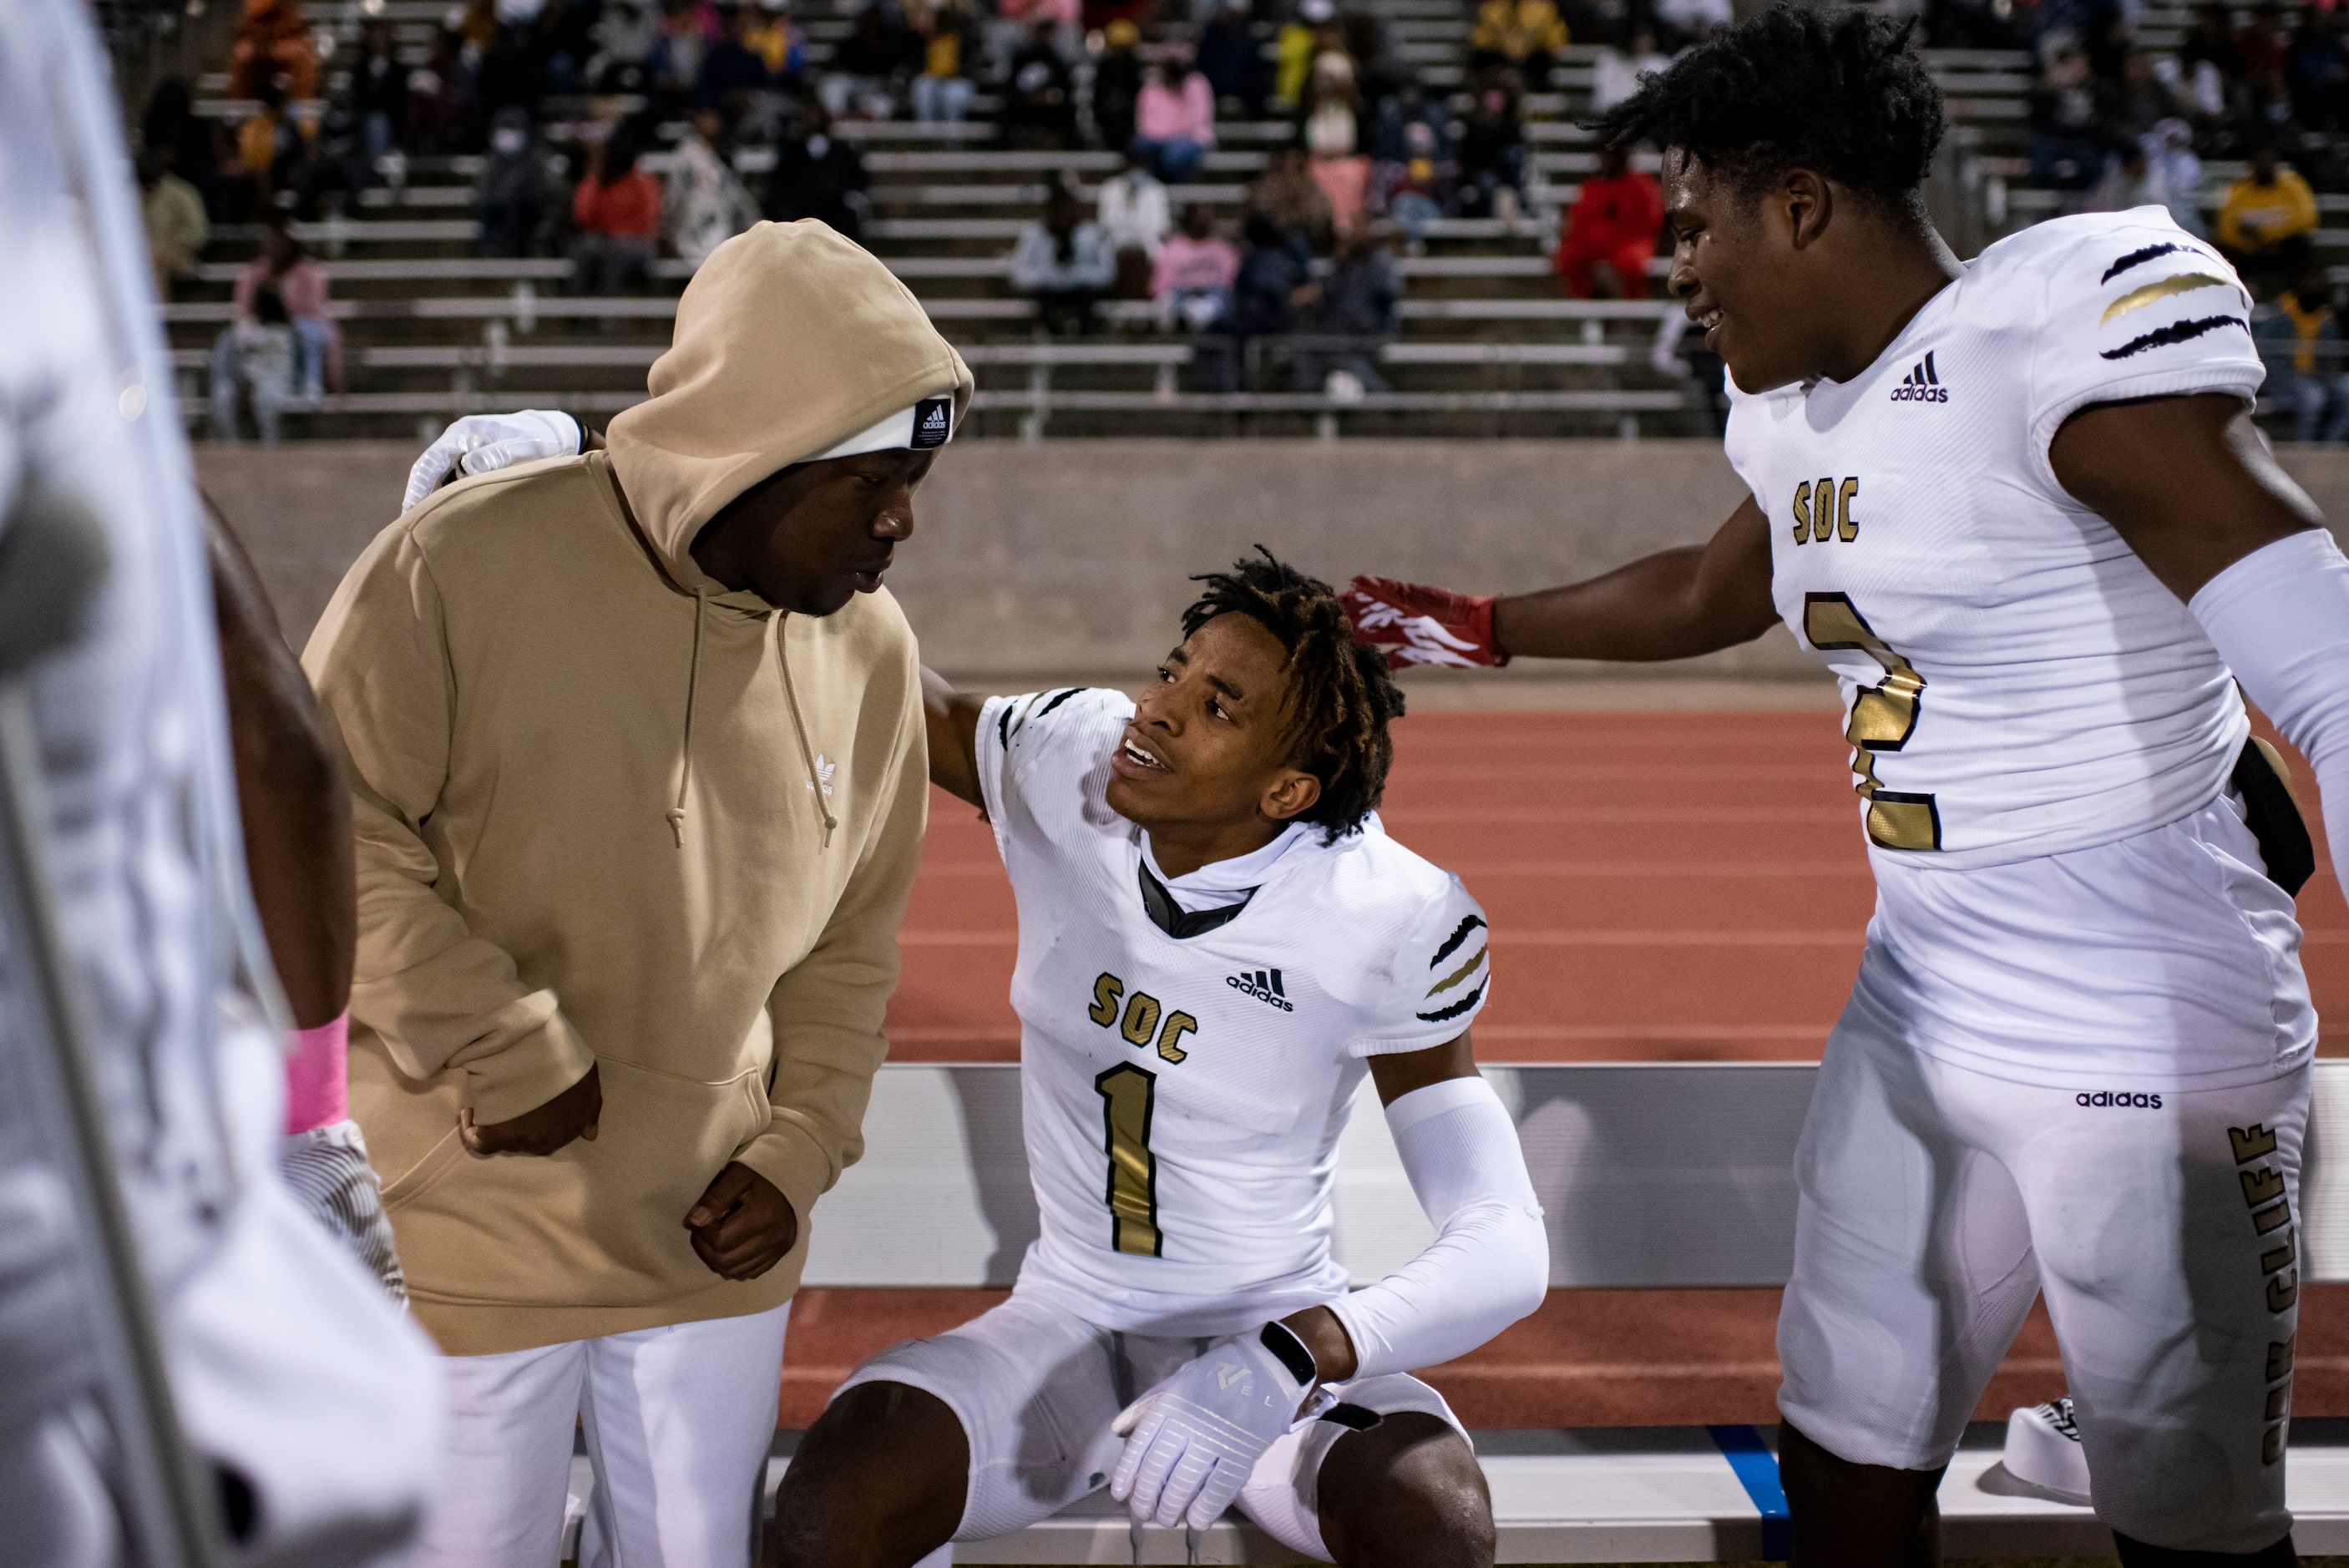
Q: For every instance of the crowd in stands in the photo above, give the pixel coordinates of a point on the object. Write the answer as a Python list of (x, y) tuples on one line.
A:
[(617, 131), (614, 132), (2115, 124)]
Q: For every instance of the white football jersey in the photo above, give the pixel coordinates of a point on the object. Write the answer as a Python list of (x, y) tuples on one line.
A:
[(1183, 1095), (2017, 684)]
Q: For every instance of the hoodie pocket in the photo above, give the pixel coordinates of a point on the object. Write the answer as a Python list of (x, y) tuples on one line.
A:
[(598, 1223)]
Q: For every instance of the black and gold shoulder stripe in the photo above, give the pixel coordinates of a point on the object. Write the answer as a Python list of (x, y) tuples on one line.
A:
[(2137, 259), (1048, 701), (1472, 967), (2176, 332), (2165, 288)]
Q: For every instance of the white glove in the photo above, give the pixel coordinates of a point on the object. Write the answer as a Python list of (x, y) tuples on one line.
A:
[(327, 1168), (484, 443), (1192, 1441)]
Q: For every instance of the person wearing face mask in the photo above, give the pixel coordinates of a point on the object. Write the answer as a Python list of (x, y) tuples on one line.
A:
[(513, 196), (634, 745)]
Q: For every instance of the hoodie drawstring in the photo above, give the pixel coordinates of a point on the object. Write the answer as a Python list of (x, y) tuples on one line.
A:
[(798, 728), (685, 772)]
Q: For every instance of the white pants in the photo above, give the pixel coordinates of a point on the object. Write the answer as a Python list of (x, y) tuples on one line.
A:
[(1937, 1201), (1036, 1388), (678, 1419)]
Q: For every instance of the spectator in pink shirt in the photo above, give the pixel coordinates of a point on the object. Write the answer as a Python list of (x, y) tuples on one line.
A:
[(1192, 280), (296, 290), (1174, 122)]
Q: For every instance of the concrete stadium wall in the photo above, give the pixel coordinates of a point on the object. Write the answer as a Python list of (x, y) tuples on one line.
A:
[(1071, 558)]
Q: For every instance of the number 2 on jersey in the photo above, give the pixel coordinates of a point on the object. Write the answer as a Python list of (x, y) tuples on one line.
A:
[(1127, 1092), (1882, 719)]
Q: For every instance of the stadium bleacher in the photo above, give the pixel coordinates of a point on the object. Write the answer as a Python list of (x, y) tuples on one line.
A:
[(1487, 345)]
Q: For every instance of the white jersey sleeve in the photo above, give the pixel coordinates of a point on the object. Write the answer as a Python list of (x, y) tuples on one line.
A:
[(2136, 309), (1043, 756), (1440, 978)]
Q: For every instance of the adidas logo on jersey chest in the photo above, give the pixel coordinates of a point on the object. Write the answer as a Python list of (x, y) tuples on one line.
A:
[(1921, 384), (1264, 984)]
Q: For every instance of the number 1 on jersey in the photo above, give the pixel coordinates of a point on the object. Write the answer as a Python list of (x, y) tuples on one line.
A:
[(1126, 1092)]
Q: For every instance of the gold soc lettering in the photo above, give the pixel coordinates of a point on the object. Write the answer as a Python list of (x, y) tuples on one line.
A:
[(1823, 510), (1142, 1018)]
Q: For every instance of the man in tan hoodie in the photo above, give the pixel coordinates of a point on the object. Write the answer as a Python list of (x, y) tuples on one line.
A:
[(638, 772)]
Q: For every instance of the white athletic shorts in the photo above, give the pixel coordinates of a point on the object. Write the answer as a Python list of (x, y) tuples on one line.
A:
[(1036, 1388), (2160, 1224)]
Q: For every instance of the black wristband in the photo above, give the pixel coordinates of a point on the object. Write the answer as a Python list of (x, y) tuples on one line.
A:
[(1289, 1348)]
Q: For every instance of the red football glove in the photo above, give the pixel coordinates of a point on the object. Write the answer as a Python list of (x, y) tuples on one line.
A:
[(1416, 625)]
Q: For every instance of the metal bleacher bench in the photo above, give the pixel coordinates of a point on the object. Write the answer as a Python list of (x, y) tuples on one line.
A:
[(1652, 1175)]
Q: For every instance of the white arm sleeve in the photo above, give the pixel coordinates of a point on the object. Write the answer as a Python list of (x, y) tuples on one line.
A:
[(2279, 617), (1489, 1264)]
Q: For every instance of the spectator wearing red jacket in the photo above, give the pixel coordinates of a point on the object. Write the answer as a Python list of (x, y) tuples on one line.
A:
[(617, 210), (1614, 221)]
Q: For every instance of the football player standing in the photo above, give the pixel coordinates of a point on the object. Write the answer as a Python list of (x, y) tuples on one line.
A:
[(2019, 508)]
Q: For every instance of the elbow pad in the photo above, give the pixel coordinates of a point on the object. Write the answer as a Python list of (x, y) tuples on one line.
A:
[(2279, 619), (1489, 1264)]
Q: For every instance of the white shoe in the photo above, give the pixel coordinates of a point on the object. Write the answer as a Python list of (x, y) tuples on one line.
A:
[(2042, 1448)]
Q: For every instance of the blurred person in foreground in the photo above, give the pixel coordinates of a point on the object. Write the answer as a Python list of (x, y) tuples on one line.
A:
[(634, 745), (313, 1409)]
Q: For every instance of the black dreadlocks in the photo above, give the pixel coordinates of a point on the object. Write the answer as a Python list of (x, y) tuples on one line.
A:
[(1838, 91), (1341, 698)]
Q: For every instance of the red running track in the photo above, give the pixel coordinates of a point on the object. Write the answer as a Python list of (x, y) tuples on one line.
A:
[(1669, 886)]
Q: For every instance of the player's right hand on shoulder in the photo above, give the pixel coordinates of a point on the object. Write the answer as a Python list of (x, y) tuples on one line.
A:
[(576, 1112), (1416, 625), (484, 443)]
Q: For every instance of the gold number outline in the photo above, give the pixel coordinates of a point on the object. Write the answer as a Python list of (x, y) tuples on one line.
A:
[(1132, 1191), (1883, 717)]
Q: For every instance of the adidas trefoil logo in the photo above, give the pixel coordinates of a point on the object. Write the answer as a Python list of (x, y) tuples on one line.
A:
[(1921, 384), (1264, 984), (823, 772)]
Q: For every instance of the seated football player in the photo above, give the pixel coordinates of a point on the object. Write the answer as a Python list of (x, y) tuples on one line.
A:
[(1216, 940)]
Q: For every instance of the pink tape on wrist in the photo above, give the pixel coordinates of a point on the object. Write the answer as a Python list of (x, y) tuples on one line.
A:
[(317, 1085)]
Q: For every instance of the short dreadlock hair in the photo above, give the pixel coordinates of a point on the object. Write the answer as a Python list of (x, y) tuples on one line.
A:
[(1839, 91), (1340, 696)]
